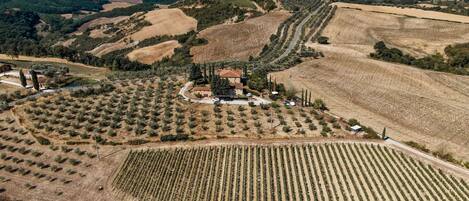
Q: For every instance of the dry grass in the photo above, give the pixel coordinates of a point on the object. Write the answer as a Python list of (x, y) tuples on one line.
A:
[(408, 12), (165, 22), (423, 106), (108, 48), (114, 5), (238, 41), (362, 29), (101, 21), (154, 53)]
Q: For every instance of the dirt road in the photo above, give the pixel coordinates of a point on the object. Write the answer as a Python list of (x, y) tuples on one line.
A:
[(296, 37)]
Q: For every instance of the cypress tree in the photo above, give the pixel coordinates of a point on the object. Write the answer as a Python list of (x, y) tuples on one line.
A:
[(306, 98), (22, 78), (302, 97), (384, 133), (205, 72), (34, 79), (310, 103), (270, 83)]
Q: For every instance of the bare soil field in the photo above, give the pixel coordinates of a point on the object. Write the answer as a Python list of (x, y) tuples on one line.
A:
[(114, 5), (109, 47), (154, 53), (128, 1), (360, 30), (238, 41), (101, 21), (424, 106), (411, 12), (8, 88), (165, 22)]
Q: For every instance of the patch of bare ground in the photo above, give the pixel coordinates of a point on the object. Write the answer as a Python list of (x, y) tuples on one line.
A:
[(423, 106), (411, 12), (165, 22), (109, 47), (101, 21), (360, 30), (154, 53), (114, 5), (238, 41), (128, 1)]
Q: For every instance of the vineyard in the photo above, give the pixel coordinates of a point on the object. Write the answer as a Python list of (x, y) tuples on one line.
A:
[(330, 171)]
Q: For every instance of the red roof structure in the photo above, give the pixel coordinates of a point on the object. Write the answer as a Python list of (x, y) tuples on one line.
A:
[(201, 89), (228, 73)]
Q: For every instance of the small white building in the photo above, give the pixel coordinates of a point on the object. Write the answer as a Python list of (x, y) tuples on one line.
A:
[(356, 128)]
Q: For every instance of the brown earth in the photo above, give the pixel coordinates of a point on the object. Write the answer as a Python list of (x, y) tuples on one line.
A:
[(154, 53), (360, 30), (165, 22), (114, 5), (101, 21), (238, 41)]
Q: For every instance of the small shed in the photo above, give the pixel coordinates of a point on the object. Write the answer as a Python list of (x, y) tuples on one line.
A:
[(203, 91), (356, 128)]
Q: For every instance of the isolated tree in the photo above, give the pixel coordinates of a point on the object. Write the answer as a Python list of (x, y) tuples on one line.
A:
[(22, 79), (384, 133), (323, 40), (319, 104), (34, 79)]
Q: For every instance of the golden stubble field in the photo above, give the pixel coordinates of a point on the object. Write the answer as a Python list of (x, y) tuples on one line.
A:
[(163, 22), (151, 54), (362, 29), (238, 41), (423, 106)]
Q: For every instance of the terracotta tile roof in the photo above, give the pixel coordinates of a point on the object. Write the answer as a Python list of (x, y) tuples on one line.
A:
[(227, 73), (201, 89)]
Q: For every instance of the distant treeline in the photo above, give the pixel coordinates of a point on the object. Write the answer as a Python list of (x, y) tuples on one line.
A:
[(457, 62), (53, 6)]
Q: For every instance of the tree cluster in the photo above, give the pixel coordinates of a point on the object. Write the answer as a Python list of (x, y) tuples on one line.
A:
[(457, 63)]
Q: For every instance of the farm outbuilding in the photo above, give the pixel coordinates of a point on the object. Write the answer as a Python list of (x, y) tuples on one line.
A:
[(203, 91)]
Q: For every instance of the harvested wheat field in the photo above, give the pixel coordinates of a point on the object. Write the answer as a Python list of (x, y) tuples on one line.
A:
[(165, 22), (101, 21), (154, 53), (107, 48), (413, 104), (331, 171), (114, 5), (411, 12), (238, 41), (360, 30)]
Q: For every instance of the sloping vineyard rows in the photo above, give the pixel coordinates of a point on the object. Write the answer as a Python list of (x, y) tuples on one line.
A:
[(313, 172)]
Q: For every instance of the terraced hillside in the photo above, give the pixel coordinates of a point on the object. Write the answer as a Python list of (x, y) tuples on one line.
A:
[(337, 171)]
